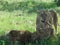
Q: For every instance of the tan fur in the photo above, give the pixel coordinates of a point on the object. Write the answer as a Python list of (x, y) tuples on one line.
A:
[(45, 19), (23, 36), (55, 19)]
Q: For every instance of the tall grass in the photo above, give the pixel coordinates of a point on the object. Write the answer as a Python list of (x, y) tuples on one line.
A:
[(21, 15)]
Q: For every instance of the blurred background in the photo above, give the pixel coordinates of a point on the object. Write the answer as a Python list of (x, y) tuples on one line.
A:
[(21, 14)]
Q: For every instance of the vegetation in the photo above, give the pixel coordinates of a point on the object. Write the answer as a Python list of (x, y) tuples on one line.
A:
[(21, 15)]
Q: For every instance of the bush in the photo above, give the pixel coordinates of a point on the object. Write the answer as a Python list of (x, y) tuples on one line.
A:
[(29, 6)]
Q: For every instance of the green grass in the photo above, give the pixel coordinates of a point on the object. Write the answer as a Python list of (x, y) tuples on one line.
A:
[(14, 14), (20, 21), (12, 20)]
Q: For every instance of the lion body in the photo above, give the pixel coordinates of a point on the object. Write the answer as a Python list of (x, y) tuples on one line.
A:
[(45, 19), (22, 36)]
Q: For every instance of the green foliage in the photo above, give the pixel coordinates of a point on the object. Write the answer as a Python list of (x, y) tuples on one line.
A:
[(21, 16), (58, 2), (29, 6)]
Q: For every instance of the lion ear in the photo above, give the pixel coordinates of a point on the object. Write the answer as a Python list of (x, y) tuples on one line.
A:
[(38, 11), (52, 10)]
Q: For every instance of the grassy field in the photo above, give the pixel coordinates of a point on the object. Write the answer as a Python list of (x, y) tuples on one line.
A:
[(23, 17), (19, 20)]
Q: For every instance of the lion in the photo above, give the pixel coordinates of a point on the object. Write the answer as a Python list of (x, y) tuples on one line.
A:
[(45, 19), (55, 19), (23, 37), (36, 38)]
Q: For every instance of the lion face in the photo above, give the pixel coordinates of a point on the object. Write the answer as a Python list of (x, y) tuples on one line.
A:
[(44, 15), (44, 19)]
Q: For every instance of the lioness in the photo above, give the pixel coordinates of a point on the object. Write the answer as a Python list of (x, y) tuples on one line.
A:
[(22, 36), (45, 19)]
